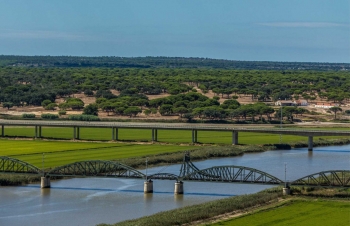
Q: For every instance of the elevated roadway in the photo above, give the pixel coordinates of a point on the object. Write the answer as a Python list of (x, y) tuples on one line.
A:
[(235, 129)]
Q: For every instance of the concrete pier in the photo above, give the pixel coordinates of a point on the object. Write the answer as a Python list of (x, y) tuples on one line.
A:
[(310, 143), (76, 133), (148, 186), (179, 188), (286, 191), (234, 137), (2, 130), (115, 133), (45, 182), (154, 135), (194, 136)]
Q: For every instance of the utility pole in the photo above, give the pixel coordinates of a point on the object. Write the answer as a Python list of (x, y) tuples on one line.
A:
[(285, 174), (146, 167), (281, 122)]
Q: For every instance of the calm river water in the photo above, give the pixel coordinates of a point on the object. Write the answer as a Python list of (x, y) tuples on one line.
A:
[(89, 201)]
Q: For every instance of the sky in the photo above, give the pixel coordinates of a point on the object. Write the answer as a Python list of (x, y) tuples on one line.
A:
[(254, 30)]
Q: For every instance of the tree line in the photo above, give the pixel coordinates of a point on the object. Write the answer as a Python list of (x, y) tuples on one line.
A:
[(162, 62), (23, 86)]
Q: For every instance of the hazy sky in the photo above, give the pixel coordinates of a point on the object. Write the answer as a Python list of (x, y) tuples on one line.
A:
[(276, 30)]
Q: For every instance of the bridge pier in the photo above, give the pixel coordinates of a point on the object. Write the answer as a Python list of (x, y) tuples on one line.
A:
[(194, 136), (76, 133), (179, 188), (148, 186), (234, 137), (45, 182), (2, 130), (310, 143), (114, 133), (286, 189), (37, 132), (154, 135)]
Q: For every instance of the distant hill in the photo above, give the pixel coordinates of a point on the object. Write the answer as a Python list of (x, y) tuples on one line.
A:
[(162, 62)]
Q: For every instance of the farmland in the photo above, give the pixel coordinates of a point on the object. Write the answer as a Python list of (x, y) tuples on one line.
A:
[(299, 212), (58, 153)]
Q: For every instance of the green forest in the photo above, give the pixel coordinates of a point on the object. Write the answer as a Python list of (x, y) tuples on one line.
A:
[(41, 86), (163, 62)]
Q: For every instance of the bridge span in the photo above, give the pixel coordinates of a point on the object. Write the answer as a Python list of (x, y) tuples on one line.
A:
[(154, 127), (188, 172)]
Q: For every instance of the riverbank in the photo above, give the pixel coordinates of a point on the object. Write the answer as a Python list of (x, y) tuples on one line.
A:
[(228, 208)]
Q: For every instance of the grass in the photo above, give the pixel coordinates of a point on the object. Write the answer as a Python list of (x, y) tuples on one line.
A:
[(59, 153), (265, 208), (298, 212), (167, 136)]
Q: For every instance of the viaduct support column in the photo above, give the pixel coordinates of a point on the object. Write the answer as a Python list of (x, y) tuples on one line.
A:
[(36, 132), (310, 143), (74, 132), (148, 186), (2, 130), (153, 135), (45, 182), (194, 136), (179, 188), (78, 133), (39, 131), (234, 137), (114, 133)]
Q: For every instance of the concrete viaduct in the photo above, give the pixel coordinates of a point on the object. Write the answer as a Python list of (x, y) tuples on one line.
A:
[(114, 126)]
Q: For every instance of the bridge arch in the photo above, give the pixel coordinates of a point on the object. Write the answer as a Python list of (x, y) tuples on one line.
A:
[(339, 178), (12, 165), (96, 168), (239, 174)]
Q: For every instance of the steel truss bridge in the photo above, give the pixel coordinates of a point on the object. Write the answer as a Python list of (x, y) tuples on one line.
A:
[(188, 172)]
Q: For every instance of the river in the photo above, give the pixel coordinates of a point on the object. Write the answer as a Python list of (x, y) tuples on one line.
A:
[(89, 201)]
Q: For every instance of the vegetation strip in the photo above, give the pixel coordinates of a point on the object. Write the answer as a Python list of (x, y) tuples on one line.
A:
[(298, 212), (205, 212)]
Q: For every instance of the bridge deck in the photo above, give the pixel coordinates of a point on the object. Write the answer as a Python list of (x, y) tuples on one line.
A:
[(176, 126)]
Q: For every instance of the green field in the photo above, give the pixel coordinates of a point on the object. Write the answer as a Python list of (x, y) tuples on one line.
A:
[(168, 136), (58, 153), (299, 213)]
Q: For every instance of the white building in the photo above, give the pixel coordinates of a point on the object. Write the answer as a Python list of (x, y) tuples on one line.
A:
[(326, 105)]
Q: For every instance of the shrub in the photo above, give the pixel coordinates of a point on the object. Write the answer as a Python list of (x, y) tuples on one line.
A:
[(84, 118), (49, 116), (45, 103), (50, 106), (62, 112), (28, 115)]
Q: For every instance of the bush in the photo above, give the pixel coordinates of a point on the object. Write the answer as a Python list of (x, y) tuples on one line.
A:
[(84, 118), (28, 115), (62, 112), (49, 116)]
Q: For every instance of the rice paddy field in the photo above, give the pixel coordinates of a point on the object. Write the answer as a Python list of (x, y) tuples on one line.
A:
[(166, 136), (57, 153), (298, 213)]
